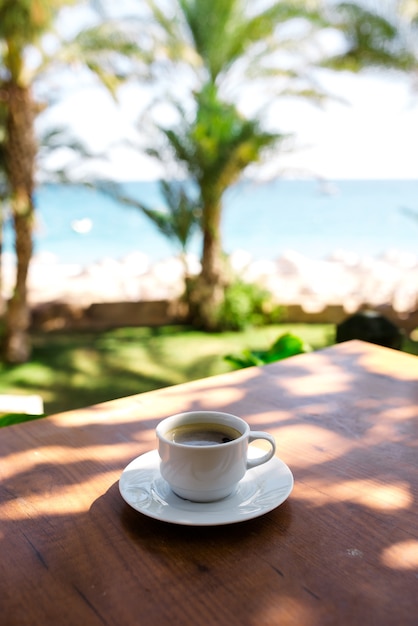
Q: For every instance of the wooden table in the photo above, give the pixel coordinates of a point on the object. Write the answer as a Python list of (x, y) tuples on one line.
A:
[(343, 549)]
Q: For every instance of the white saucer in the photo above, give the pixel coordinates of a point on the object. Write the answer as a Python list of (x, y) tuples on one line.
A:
[(262, 489)]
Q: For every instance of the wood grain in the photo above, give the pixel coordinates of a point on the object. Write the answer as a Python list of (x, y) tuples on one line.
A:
[(343, 549)]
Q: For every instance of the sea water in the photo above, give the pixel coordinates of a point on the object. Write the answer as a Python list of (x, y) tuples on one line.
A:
[(367, 217)]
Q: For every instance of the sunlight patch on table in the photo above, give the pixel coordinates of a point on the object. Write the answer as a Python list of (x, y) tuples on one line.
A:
[(269, 419), (280, 612), (65, 500), (306, 445), (317, 384), (389, 362), (401, 413), (402, 555), (49, 456), (367, 493)]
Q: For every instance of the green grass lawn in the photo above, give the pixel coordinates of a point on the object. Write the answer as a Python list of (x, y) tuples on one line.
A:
[(71, 370)]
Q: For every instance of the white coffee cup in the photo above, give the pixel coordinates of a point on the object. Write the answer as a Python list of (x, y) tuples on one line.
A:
[(204, 454)]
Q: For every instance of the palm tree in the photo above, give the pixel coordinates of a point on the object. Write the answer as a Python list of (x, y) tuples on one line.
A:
[(224, 50), (215, 147), (23, 25)]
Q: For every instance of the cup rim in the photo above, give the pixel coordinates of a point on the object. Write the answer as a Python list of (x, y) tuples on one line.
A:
[(187, 415)]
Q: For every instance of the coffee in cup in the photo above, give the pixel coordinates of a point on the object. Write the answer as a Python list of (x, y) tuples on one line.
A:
[(204, 454), (204, 434)]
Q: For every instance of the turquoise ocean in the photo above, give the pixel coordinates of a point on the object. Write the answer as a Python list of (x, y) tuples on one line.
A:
[(367, 217)]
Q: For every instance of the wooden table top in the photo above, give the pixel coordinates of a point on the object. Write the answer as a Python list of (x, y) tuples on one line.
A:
[(342, 549)]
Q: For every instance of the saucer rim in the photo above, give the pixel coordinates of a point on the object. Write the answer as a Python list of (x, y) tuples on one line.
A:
[(222, 518)]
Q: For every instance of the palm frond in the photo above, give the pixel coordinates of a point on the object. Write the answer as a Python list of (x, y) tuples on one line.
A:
[(110, 51), (24, 21), (224, 34), (178, 220), (374, 38), (219, 144)]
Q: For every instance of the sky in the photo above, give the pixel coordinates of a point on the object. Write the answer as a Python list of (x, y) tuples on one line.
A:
[(373, 135)]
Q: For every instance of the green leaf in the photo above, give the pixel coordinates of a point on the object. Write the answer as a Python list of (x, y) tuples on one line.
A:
[(285, 346)]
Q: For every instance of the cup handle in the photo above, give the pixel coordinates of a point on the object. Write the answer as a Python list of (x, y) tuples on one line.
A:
[(255, 434)]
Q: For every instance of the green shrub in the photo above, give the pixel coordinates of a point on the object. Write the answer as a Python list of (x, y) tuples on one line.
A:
[(285, 346), (246, 305)]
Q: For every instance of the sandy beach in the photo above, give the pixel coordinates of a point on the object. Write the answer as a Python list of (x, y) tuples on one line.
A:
[(344, 278)]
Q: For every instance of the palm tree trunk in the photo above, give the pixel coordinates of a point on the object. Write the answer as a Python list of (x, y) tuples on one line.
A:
[(20, 160), (208, 292)]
